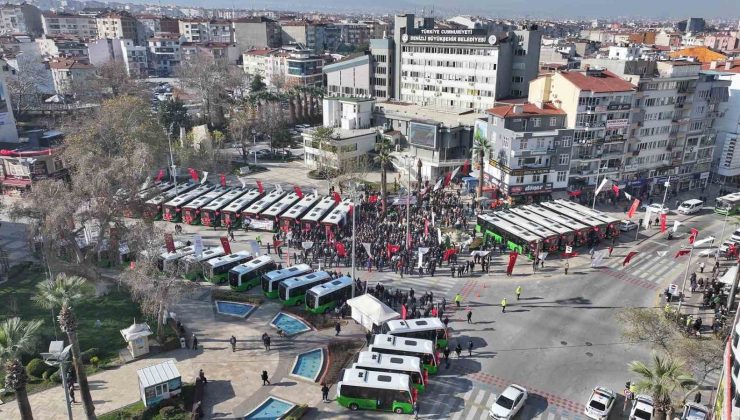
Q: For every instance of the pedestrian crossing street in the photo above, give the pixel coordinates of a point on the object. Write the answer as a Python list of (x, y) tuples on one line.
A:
[(441, 286), (445, 400), (650, 266)]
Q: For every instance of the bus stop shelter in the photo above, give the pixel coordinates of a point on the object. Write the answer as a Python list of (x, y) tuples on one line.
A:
[(369, 311)]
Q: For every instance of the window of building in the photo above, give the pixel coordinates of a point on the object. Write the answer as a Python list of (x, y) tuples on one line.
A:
[(564, 159), (536, 178), (566, 141), (519, 180), (561, 176), (553, 121), (536, 122)]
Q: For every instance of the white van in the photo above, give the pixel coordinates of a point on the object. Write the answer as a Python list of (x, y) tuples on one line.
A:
[(690, 206)]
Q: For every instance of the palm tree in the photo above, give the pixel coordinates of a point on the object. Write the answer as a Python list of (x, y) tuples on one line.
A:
[(481, 146), (660, 381), (17, 337), (296, 93), (63, 293), (385, 159)]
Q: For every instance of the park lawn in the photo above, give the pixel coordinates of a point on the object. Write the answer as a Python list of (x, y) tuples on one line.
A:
[(115, 311)]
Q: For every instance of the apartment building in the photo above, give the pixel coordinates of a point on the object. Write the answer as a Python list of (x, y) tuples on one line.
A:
[(164, 53), (285, 67), (54, 46), (353, 33), (117, 24), (123, 51), (201, 30), (315, 36), (256, 33), (223, 52), (530, 157), (598, 105), (70, 74), (20, 19), (84, 27), (727, 153), (369, 74)]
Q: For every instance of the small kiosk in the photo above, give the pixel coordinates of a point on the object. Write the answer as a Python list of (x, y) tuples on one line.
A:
[(159, 382), (137, 338)]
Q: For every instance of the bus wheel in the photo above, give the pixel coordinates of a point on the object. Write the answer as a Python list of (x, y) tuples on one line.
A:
[(353, 407), (398, 410)]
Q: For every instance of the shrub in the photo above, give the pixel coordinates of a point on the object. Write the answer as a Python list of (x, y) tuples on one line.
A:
[(56, 377), (45, 376), (95, 361), (167, 412), (222, 294), (36, 368), (88, 354)]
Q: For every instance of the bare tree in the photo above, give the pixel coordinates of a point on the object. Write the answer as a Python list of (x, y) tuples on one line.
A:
[(703, 355), (26, 85), (241, 124), (647, 325)]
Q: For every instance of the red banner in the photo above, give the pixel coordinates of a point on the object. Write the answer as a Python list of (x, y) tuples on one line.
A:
[(223, 180), (159, 176), (681, 253), (450, 252), (373, 199), (448, 178), (628, 258), (329, 234), (404, 312), (169, 242), (633, 208), (336, 197), (512, 261), (225, 245), (307, 227), (694, 234), (391, 249), (298, 191), (426, 227), (260, 187), (341, 250), (663, 222)]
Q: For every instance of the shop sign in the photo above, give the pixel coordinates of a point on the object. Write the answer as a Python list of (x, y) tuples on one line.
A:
[(704, 175), (530, 189), (619, 107), (618, 123)]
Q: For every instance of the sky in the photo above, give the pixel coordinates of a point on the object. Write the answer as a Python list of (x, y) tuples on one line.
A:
[(504, 8)]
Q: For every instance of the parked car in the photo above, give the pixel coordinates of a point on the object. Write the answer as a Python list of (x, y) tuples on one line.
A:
[(627, 225), (656, 208), (600, 403), (690, 206), (642, 408), (694, 411), (508, 403)]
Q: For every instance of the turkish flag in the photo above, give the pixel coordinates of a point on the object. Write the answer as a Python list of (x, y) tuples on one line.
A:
[(633, 208), (329, 233), (404, 312), (512, 261), (373, 198), (260, 187), (694, 234), (450, 252), (159, 176), (391, 249), (193, 174), (682, 252), (663, 222), (223, 180), (298, 191), (337, 198), (448, 178), (615, 189), (341, 250), (628, 258), (225, 245)]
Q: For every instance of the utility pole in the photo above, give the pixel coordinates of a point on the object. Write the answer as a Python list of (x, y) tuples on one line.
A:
[(667, 185)]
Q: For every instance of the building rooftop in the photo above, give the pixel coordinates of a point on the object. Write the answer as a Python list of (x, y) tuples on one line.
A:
[(701, 53), (598, 82), (448, 117), (70, 64), (260, 52), (730, 66), (525, 110)]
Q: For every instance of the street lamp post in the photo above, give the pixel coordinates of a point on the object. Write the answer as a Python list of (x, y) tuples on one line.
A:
[(57, 356), (407, 159), (354, 210), (667, 185)]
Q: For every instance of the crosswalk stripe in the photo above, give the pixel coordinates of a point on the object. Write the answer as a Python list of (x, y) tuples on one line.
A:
[(550, 415), (456, 416), (491, 399), (473, 414), (479, 397)]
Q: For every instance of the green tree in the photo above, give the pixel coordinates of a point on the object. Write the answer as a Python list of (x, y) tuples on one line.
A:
[(647, 325), (385, 159), (257, 84), (64, 292), (322, 137), (17, 338), (481, 146), (173, 115), (661, 380)]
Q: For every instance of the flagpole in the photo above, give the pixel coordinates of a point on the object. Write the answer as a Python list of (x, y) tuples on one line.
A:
[(354, 210), (685, 277), (598, 174)]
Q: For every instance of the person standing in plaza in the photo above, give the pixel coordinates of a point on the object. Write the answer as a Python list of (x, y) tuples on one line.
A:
[(518, 292), (458, 299), (324, 392), (470, 347), (503, 305), (446, 353), (337, 328), (232, 340), (566, 267), (264, 378), (470, 317), (195, 342), (458, 350)]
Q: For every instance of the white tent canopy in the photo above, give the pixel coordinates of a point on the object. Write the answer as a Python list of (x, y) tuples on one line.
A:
[(369, 311), (729, 276)]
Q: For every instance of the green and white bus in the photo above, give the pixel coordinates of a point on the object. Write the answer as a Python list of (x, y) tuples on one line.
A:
[(247, 275), (368, 390), (432, 329), (393, 363), (271, 280), (324, 297), (423, 349), (728, 204), (191, 267), (167, 261), (292, 291), (216, 270)]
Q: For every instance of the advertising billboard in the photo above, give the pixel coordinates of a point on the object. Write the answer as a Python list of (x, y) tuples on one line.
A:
[(449, 36), (423, 135)]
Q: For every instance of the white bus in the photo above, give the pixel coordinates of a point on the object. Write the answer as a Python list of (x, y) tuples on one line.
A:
[(191, 211), (418, 347), (277, 208), (153, 206), (550, 239), (293, 290), (262, 204), (566, 234), (597, 226), (338, 216), (580, 229), (167, 261), (727, 204), (318, 212), (231, 214), (368, 390), (210, 214), (173, 208), (294, 214), (320, 299), (216, 270), (271, 279), (432, 329), (249, 274), (191, 266), (612, 224), (393, 363)]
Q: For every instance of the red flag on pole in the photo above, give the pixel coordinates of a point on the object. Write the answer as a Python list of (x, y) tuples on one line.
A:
[(260, 187), (512, 261), (694, 234), (466, 167), (633, 208), (448, 178), (426, 227), (663, 222), (159, 176), (223, 180), (193, 174), (615, 189), (404, 312), (391, 249), (628, 258), (225, 245), (337, 198), (682, 252), (341, 250), (298, 191)]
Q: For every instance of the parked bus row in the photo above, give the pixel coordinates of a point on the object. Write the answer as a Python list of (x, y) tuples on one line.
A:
[(547, 227)]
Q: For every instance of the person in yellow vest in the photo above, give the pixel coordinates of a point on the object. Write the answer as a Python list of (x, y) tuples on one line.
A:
[(458, 299), (503, 305), (518, 292)]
